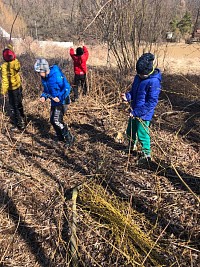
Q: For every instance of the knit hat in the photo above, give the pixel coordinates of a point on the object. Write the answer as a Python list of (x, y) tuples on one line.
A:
[(144, 64), (79, 51), (8, 55), (41, 65)]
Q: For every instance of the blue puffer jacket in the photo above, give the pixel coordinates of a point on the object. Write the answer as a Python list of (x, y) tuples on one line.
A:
[(55, 85), (144, 94)]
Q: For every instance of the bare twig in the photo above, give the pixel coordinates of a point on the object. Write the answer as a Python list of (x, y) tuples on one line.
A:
[(155, 243), (96, 15), (185, 246), (13, 24)]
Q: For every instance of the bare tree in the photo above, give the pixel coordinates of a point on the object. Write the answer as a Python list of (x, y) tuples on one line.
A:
[(8, 16), (45, 19), (128, 25)]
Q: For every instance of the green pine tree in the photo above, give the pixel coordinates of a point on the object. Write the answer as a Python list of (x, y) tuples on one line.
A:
[(185, 24)]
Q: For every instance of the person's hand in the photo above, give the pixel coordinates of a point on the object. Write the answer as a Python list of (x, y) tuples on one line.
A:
[(56, 99), (80, 43), (42, 99), (131, 115), (123, 96)]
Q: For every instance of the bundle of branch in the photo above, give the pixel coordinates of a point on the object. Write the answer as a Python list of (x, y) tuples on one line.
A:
[(125, 228)]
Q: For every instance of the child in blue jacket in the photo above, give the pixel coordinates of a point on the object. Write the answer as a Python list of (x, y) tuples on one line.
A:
[(57, 89), (143, 98)]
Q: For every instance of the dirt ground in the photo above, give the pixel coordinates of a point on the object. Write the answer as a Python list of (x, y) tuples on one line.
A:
[(38, 174)]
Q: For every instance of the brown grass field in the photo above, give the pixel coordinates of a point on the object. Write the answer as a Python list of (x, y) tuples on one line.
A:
[(172, 57)]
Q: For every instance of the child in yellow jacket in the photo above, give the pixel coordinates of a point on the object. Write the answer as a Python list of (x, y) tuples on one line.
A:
[(11, 83)]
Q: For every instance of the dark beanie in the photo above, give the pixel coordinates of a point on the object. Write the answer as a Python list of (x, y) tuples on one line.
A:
[(79, 51), (144, 64)]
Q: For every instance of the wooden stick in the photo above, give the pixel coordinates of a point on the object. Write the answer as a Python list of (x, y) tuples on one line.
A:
[(74, 247)]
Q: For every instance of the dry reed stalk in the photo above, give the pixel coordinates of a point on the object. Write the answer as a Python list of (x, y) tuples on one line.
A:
[(107, 211), (114, 247), (73, 240)]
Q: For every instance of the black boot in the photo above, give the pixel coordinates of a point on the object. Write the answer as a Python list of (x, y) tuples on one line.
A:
[(21, 124), (68, 137), (76, 95)]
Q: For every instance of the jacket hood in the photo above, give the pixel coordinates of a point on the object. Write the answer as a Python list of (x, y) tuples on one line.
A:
[(53, 69), (156, 74)]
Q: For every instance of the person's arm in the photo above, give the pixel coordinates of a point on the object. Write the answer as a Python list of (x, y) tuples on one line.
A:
[(152, 100), (129, 93), (4, 79), (72, 54), (67, 87), (45, 92), (128, 96)]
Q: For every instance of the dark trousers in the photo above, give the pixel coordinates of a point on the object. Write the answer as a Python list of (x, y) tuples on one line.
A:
[(56, 120), (16, 107), (79, 80)]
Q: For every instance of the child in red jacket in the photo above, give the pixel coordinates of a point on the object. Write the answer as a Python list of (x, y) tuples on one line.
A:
[(80, 69)]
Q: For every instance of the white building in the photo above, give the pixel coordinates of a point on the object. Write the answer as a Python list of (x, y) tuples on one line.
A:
[(4, 33)]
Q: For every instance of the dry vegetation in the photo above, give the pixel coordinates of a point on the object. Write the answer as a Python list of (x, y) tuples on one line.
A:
[(19, 29), (126, 215), (92, 205)]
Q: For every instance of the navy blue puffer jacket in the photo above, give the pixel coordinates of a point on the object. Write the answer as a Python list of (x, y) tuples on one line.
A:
[(144, 94), (55, 85)]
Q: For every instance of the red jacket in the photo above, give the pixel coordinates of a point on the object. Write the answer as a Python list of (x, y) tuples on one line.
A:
[(80, 66)]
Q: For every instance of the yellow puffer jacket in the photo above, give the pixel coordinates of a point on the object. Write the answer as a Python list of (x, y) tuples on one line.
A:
[(10, 76)]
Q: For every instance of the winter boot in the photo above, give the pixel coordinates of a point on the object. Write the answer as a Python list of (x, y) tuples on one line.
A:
[(21, 124), (14, 128), (69, 139), (144, 160)]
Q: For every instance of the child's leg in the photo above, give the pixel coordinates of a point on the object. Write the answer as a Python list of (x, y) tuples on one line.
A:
[(131, 132), (56, 120), (144, 136), (60, 128), (12, 108), (15, 101), (20, 105), (75, 86), (84, 84)]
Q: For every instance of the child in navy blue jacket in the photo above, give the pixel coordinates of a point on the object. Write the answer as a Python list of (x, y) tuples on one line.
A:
[(57, 89), (143, 98)]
